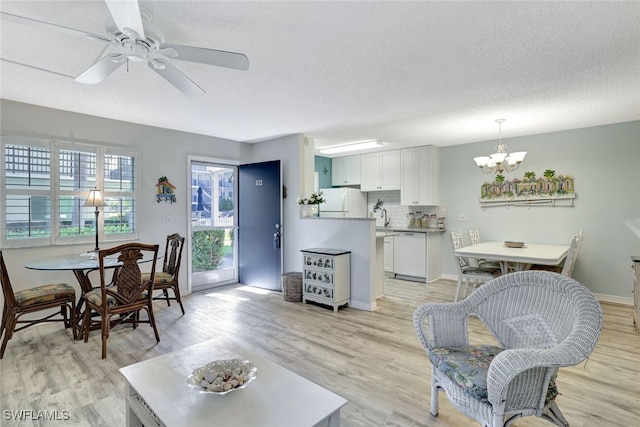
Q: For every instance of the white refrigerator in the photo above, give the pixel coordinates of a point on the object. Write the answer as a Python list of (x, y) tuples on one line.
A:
[(343, 203)]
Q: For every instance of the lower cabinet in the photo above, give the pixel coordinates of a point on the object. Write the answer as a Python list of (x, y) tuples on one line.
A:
[(326, 276), (416, 255), (388, 254)]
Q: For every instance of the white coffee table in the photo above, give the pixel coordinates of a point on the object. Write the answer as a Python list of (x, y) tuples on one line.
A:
[(157, 393)]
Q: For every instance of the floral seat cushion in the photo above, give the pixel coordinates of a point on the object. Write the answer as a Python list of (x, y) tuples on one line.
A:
[(43, 294), (160, 277), (468, 367), (95, 297)]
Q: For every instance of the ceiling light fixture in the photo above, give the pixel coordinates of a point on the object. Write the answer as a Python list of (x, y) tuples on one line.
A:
[(500, 161), (360, 145)]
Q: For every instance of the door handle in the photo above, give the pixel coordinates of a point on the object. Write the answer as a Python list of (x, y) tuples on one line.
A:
[(276, 240)]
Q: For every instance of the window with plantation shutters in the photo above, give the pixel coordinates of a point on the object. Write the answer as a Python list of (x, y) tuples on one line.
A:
[(76, 176), (119, 194), (44, 184)]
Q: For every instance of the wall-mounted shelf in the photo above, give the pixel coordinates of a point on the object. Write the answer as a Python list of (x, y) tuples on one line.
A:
[(553, 201)]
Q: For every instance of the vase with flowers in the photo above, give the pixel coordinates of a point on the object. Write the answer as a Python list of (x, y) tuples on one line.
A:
[(310, 206)]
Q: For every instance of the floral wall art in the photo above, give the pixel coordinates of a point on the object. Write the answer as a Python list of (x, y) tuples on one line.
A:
[(530, 190)]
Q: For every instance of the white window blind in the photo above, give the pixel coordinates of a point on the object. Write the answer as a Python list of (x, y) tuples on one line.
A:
[(44, 185)]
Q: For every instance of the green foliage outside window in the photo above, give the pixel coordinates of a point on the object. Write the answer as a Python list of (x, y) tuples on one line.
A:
[(207, 250), (226, 204)]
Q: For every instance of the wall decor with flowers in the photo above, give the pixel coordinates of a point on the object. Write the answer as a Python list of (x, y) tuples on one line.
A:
[(165, 190), (547, 190)]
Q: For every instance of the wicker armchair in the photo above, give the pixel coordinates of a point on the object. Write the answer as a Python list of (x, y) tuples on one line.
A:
[(542, 321)]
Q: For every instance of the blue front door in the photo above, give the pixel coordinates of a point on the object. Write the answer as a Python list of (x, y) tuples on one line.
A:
[(259, 222)]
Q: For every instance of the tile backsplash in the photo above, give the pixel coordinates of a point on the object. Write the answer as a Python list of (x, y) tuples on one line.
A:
[(397, 214)]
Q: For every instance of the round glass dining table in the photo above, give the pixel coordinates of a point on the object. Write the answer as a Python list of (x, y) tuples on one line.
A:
[(81, 265)]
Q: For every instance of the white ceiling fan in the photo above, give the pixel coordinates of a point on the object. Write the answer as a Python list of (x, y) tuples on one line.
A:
[(135, 38)]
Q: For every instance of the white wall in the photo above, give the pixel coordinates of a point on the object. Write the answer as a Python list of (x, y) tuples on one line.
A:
[(162, 152), (355, 235), (605, 162)]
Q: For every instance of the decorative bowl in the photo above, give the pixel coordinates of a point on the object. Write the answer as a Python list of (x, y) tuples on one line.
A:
[(510, 244), (222, 376)]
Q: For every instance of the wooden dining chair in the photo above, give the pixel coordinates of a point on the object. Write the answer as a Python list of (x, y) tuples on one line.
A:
[(39, 298), (467, 273), (167, 279), (123, 295)]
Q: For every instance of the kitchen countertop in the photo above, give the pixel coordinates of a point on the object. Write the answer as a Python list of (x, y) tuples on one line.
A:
[(410, 230), (386, 233)]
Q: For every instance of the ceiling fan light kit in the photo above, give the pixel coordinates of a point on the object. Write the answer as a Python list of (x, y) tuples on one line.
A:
[(131, 31)]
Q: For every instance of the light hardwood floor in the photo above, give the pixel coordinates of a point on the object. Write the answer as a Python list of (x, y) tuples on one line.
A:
[(373, 359)]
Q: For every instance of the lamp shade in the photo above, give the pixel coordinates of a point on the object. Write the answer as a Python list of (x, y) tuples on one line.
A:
[(498, 157), (516, 157), (94, 199), (482, 160)]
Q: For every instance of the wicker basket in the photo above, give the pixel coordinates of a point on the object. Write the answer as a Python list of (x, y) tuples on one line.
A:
[(292, 286)]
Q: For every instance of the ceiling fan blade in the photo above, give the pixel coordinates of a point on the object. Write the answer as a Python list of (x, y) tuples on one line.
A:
[(174, 76), (36, 23), (126, 14), (203, 55), (101, 69)]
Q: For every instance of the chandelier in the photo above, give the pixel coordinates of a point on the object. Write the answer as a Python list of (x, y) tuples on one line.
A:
[(500, 161)]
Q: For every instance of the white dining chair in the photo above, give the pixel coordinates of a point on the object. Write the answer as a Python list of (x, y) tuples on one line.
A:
[(474, 238), (467, 273), (566, 267)]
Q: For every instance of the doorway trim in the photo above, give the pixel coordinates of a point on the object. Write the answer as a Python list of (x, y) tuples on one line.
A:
[(190, 160)]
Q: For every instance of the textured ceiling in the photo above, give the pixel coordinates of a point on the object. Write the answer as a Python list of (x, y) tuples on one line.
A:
[(407, 73)]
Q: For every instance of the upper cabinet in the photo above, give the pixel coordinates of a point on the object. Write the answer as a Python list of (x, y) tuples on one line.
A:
[(419, 184), (345, 171), (380, 171)]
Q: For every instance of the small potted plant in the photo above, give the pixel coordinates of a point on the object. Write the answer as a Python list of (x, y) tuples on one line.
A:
[(311, 206)]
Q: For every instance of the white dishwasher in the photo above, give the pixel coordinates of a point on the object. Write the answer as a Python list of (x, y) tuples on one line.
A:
[(410, 255)]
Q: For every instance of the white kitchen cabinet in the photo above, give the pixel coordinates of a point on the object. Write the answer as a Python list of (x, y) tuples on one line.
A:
[(420, 176), (388, 254), (380, 171), (416, 255), (345, 171), (326, 276)]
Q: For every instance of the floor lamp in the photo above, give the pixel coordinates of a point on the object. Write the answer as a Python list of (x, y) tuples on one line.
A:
[(95, 199)]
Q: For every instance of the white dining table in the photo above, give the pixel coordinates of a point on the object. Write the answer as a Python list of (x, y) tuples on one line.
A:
[(520, 257)]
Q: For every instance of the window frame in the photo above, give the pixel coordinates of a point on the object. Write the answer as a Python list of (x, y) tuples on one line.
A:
[(54, 192)]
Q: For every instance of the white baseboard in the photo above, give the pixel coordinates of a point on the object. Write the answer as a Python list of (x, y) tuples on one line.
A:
[(613, 299), (363, 305)]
